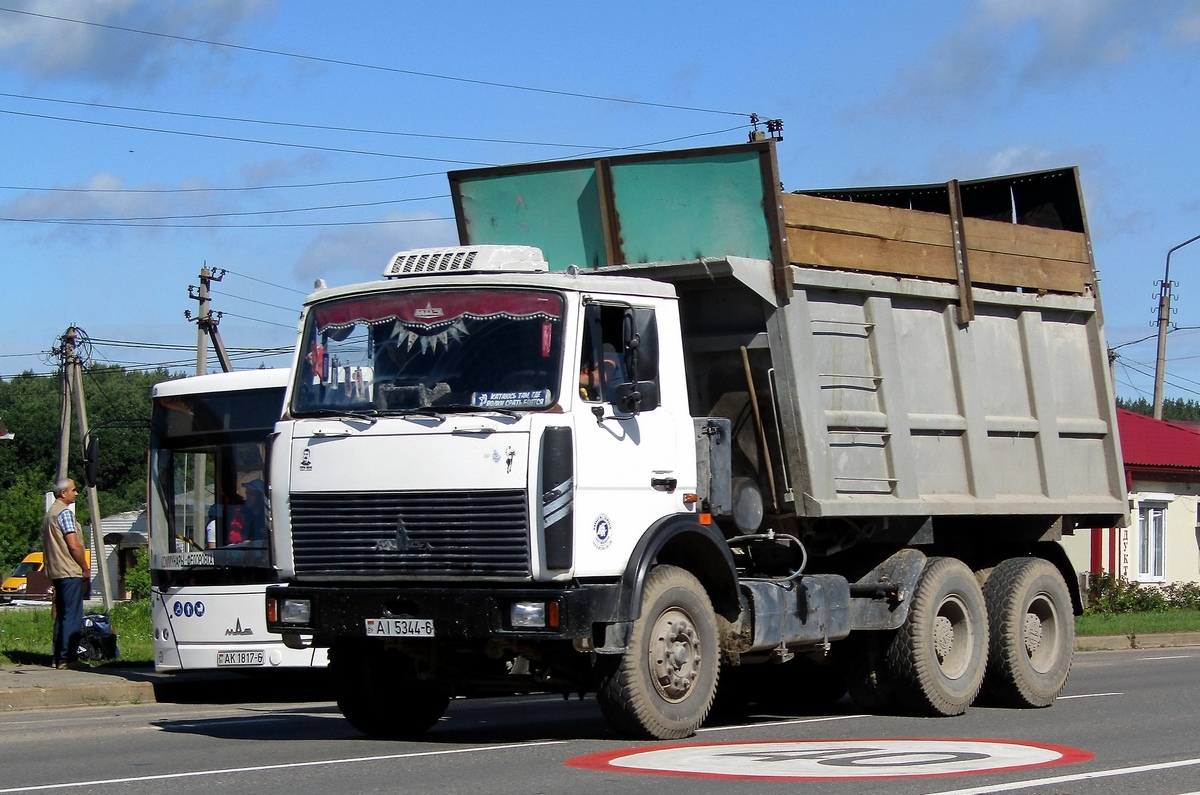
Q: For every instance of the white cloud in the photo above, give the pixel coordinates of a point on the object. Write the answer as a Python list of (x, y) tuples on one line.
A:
[(102, 197), (1004, 45), (50, 40), (359, 253)]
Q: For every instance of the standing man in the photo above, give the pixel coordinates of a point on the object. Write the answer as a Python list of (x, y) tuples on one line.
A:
[(67, 567)]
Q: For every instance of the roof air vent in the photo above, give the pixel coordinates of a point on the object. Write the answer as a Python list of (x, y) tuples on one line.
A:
[(466, 259)]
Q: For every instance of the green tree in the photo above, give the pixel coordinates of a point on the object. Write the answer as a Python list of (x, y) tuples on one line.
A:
[(1176, 409), (118, 407), (21, 509)]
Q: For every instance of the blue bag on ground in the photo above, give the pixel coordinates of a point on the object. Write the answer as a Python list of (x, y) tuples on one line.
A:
[(98, 641)]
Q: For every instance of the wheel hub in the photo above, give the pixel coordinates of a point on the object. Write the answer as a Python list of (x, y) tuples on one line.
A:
[(943, 638), (1033, 633), (675, 658)]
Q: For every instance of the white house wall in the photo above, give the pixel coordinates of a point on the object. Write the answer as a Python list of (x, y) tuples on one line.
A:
[(1181, 558)]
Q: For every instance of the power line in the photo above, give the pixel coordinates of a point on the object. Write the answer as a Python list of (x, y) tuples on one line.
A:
[(306, 126), (259, 320), (235, 139), (140, 225), (378, 68), (293, 309), (261, 281), (246, 188), (258, 212)]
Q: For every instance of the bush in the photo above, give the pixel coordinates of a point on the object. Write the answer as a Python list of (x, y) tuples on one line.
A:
[(137, 577), (1108, 594)]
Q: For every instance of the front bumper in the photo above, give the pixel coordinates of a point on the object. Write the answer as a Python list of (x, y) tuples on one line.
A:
[(458, 613)]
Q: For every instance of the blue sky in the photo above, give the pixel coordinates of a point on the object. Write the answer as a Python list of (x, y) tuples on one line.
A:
[(286, 141)]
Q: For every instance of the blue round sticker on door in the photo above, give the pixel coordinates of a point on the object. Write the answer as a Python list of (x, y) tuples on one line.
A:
[(602, 532)]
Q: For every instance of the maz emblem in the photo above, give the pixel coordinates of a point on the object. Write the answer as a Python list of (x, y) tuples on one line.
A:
[(401, 542)]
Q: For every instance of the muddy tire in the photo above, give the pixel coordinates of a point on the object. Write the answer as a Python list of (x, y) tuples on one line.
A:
[(1032, 632), (937, 659), (663, 686), (380, 695)]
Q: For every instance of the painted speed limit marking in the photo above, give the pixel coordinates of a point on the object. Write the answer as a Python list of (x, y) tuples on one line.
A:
[(809, 760)]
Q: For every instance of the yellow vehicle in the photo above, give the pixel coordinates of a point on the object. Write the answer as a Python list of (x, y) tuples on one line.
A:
[(16, 586)]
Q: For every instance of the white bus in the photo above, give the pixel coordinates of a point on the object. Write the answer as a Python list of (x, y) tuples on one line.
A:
[(210, 557)]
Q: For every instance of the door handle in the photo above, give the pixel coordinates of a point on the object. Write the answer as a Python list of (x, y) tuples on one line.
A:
[(664, 484)]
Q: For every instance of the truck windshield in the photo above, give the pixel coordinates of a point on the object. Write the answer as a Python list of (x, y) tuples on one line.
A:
[(432, 350)]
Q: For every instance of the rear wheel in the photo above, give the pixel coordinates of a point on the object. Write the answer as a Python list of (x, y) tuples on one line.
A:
[(937, 658), (663, 686), (1032, 632), (379, 694)]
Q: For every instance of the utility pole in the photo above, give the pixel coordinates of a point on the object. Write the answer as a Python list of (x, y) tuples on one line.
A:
[(73, 386), (206, 329), (1164, 324), (64, 415), (207, 322)]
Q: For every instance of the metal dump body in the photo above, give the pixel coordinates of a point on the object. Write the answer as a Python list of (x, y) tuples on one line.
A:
[(880, 403)]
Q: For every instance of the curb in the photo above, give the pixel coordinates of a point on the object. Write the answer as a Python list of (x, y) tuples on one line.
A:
[(1162, 640), (76, 696)]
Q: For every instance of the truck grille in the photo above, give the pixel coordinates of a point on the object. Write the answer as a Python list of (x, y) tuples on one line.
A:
[(424, 533)]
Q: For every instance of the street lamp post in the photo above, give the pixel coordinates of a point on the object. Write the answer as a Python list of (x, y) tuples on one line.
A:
[(1164, 322)]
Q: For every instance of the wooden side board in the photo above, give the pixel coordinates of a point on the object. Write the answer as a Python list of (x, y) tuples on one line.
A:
[(837, 234)]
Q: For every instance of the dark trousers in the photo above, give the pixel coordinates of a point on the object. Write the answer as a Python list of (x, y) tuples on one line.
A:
[(68, 618)]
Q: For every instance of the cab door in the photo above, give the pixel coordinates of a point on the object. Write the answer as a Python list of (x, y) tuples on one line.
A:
[(626, 448)]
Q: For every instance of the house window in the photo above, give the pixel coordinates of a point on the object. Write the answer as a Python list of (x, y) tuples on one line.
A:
[(1152, 533)]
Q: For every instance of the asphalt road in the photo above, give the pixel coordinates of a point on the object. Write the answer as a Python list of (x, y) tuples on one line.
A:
[(1128, 722)]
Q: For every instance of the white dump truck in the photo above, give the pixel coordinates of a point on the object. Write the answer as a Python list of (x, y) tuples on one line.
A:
[(659, 431)]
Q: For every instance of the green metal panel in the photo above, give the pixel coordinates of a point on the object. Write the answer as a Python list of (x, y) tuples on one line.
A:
[(558, 211), (643, 208), (691, 207)]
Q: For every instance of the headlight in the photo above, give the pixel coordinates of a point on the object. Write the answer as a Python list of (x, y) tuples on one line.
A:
[(533, 615), (295, 611)]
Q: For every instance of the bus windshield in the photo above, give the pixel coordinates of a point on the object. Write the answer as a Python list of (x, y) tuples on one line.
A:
[(434, 350), (207, 505)]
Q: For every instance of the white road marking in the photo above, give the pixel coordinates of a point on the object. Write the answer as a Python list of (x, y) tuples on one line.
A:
[(1089, 695), (1045, 782), (773, 723), (1169, 657), (282, 766)]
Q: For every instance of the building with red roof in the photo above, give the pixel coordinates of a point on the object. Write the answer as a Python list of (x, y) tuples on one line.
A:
[(1162, 475)]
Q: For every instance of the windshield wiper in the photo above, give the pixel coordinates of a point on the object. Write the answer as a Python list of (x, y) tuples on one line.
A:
[(340, 413), (422, 411)]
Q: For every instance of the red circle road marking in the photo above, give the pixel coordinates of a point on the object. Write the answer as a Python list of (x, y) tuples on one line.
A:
[(831, 760)]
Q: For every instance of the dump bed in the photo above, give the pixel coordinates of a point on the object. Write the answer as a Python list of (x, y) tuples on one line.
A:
[(913, 351)]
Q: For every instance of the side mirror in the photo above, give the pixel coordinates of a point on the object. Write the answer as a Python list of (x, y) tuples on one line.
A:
[(91, 461), (637, 396)]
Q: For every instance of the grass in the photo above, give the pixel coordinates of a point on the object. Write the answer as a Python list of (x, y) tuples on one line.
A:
[(26, 634), (1137, 623)]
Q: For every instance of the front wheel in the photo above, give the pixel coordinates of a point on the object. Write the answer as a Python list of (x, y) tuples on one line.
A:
[(1032, 632), (379, 694), (663, 686), (936, 659)]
